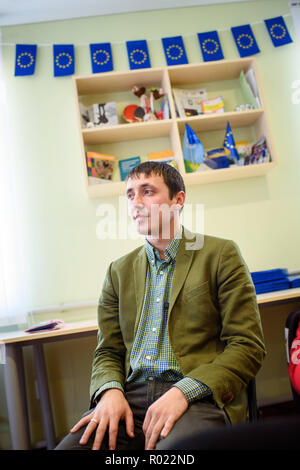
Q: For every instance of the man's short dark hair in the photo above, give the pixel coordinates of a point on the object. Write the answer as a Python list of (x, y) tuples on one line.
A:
[(171, 176)]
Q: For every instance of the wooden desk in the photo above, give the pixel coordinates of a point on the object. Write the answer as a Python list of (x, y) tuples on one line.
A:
[(14, 378), (14, 370)]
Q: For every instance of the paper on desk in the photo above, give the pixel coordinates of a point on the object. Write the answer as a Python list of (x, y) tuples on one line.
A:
[(46, 325)]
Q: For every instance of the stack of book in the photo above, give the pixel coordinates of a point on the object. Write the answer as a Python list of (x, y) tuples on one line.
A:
[(270, 280), (275, 279)]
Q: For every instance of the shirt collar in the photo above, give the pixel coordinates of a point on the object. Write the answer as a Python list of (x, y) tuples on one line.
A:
[(170, 252)]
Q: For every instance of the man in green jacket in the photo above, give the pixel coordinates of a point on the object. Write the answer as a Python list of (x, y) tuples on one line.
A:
[(179, 336)]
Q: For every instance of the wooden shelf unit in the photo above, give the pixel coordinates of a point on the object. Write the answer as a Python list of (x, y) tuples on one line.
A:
[(218, 76)]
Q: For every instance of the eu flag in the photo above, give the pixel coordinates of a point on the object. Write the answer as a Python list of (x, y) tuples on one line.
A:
[(245, 40), (138, 54), (174, 50), (101, 57), (210, 46), (278, 31), (63, 59), (25, 59), (229, 145)]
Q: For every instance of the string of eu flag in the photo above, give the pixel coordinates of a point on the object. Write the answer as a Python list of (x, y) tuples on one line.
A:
[(138, 53)]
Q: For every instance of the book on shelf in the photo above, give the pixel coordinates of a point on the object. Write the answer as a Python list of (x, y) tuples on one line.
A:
[(126, 165), (213, 105), (249, 89), (98, 114), (188, 102), (99, 167), (165, 156)]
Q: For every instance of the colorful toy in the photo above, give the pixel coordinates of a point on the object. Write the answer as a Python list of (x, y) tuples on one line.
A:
[(146, 111)]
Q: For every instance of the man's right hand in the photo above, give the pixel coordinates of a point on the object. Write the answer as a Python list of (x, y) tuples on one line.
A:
[(111, 408)]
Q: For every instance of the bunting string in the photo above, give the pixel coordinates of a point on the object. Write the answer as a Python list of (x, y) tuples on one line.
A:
[(138, 52)]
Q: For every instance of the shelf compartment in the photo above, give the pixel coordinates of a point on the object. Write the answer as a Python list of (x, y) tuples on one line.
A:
[(116, 87), (165, 138), (208, 71), (214, 138)]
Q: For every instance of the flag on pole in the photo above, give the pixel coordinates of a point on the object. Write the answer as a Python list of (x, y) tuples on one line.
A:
[(63, 59), (138, 54), (101, 57), (25, 59), (229, 144), (210, 46), (174, 50), (245, 40), (278, 31)]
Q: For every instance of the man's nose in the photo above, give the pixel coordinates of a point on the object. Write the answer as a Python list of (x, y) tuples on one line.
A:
[(138, 200)]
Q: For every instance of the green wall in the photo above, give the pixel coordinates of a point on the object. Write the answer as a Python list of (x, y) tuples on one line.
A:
[(65, 262)]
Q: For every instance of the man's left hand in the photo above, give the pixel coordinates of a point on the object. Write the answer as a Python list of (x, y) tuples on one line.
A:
[(162, 415)]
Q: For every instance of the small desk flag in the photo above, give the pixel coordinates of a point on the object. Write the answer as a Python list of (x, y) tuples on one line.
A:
[(174, 50), (229, 145), (210, 46), (101, 57), (278, 31), (25, 59), (138, 54), (63, 59), (245, 40)]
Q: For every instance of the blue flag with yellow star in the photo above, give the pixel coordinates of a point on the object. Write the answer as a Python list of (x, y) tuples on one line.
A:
[(245, 40), (138, 54), (63, 59), (25, 59), (278, 31), (101, 57), (210, 46), (229, 145), (174, 50)]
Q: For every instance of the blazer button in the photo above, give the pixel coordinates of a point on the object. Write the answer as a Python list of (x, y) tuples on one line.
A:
[(227, 398)]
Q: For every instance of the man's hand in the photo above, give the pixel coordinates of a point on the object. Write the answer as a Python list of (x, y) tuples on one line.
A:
[(162, 415), (111, 408)]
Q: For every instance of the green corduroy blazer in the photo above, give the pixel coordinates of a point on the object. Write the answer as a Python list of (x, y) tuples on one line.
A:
[(214, 322)]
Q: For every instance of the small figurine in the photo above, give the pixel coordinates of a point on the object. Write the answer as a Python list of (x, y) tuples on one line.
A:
[(144, 112)]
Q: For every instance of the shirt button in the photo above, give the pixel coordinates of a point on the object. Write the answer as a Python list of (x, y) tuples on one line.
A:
[(150, 378), (153, 329), (161, 272), (158, 299), (152, 261), (148, 357)]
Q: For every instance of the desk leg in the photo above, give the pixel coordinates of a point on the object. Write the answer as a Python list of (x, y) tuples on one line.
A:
[(44, 395), (16, 397)]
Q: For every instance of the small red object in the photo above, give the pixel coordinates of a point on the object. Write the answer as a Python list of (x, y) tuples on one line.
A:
[(128, 113)]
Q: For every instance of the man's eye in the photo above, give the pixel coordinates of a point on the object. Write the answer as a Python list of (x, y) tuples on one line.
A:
[(148, 191)]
